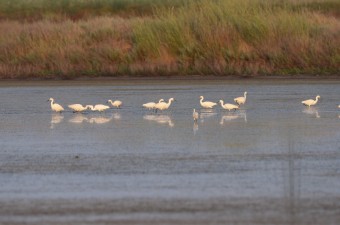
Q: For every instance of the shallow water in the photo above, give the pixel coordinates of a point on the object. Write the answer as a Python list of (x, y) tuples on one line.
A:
[(273, 162)]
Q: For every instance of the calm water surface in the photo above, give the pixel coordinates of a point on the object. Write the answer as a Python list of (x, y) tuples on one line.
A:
[(273, 162)]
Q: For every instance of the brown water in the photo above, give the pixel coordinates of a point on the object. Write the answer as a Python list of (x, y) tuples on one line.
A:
[(273, 162)]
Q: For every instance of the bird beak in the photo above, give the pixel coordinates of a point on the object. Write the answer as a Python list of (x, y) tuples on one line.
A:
[(47, 100)]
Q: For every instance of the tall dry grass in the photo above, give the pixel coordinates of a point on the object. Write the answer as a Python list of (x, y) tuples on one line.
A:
[(245, 37), (241, 37), (33, 10), (48, 49)]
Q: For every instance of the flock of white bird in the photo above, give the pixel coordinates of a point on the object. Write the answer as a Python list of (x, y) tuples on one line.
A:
[(163, 105), (80, 108)]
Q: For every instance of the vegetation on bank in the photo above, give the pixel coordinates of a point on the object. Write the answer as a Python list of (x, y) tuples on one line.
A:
[(72, 38), (56, 10)]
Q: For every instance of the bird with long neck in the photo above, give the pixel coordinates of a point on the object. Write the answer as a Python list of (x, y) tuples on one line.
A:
[(151, 105), (229, 106), (77, 108), (207, 104), (241, 100), (310, 102), (115, 103), (164, 105), (99, 107), (55, 106)]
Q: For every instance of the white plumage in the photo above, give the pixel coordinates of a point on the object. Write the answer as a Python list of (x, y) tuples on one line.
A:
[(228, 106), (151, 105), (55, 106), (207, 104), (99, 107), (164, 105), (310, 102), (77, 107), (115, 103), (241, 100)]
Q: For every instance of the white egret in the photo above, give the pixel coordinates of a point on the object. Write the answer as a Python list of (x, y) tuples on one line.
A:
[(207, 104), (241, 100), (77, 108), (310, 102), (115, 103), (99, 107), (164, 105), (228, 106), (151, 105), (55, 106)]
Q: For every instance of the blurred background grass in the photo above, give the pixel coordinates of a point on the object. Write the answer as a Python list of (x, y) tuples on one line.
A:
[(72, 38)]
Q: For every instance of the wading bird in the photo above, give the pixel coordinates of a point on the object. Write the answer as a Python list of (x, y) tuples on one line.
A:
[(228, 106), (151, 105), (99, 107), (116, 103), (310, 102), (241, 100), (55, 106), (77, 108), (163, 105), (195, 115), (207, 104)]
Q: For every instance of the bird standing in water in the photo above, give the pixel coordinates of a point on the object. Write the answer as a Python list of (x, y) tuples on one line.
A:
[(55, 106), (195, 115)]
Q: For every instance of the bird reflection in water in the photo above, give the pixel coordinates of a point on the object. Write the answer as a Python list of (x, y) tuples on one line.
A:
[(207, 113), (195, 128), (233, 116), (56, 118), (311, 111), (100, 119), (117, 116), (160, 119), (78, 119)]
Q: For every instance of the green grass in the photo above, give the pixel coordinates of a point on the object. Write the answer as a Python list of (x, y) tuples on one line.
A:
[(147, 37), (33, 10)]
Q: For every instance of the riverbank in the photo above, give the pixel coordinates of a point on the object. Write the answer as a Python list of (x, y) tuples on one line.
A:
[(132, 211), (220, 38), (169, 80), (177, 78)]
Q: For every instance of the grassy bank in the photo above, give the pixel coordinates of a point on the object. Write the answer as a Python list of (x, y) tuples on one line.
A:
[(34, 10), (145, 37)]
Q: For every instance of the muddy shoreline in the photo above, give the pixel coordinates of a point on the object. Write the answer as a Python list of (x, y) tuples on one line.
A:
[(170, 211), (181, 77), (131, 80)]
